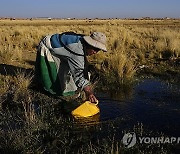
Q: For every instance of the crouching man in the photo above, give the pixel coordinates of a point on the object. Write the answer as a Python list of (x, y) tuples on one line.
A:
[(61, 62)]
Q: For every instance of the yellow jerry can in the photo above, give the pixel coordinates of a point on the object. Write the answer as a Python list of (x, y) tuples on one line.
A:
[(87, 109)]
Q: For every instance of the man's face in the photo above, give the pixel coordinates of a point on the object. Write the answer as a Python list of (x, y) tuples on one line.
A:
[(92, 51)]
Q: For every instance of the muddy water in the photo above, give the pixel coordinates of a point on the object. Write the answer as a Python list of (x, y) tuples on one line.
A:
[(154, 103)]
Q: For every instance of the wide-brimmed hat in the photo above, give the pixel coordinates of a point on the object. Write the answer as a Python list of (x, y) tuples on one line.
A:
[(97, 40)]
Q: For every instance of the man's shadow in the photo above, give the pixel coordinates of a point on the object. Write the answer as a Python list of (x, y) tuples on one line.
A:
[(14, 71), (10, 70)]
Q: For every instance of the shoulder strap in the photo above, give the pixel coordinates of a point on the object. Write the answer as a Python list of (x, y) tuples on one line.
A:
[(86, 64), (69, 33)]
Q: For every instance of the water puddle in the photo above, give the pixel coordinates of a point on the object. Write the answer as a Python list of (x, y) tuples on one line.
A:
[(154, 103)]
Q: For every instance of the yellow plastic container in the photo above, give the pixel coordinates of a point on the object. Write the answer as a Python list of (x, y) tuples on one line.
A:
[(87, 109)]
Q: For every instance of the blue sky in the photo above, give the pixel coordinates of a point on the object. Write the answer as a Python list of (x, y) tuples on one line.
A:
[(90, 8)]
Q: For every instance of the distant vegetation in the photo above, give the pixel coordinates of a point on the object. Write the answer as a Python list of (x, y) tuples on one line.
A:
[(130, 43)]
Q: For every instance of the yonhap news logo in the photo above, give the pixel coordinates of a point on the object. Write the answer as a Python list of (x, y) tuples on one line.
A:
[(130, 139)]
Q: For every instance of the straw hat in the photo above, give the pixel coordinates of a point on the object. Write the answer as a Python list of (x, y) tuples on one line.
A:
[(97, 40)]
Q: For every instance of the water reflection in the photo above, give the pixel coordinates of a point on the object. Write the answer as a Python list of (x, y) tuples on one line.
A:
[(123, 92), (90, 121)]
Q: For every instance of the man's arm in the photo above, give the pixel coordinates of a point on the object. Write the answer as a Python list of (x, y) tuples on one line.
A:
[(77, 70)]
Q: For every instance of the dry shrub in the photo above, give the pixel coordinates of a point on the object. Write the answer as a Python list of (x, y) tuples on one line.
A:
[(22, 94), (175, 47), (4, 87), (160, 46), (119, 67), (122, 64), (6, 53), (14, 92)]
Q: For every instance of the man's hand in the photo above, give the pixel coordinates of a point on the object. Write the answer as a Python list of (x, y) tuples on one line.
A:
[(92, 99), (90, 95)]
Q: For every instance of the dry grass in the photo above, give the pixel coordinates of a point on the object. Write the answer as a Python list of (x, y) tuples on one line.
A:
[(15, 92), (23, 96), (130, 42)]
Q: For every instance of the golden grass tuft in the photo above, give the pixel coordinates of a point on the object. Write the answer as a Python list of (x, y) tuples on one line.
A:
[(22, 94), (6, 54), (16, 90), (122, 65)]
